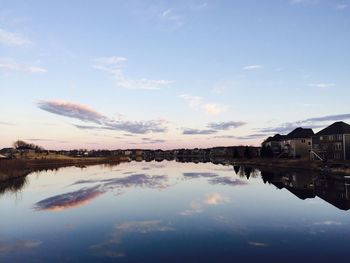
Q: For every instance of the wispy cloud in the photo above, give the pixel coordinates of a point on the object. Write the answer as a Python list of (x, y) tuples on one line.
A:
[(8, 65), (134, 180), (72, 110), (315, 122), (100, 121), (46, 140), (214, 127), (6, 123), (341, 6), (329, 223), (257, 244), (198, 132), (13, 39), (200, 175), (215, 199), (322, 85), (85, 195), (304, 1), (152, 141), (198, 103), (226, 181), (170, 15), (112, 66), (18, 246), (225, 125), (195, 208), (112, 246), (246, 137), (69, 200), (252, 67), (198, 206)]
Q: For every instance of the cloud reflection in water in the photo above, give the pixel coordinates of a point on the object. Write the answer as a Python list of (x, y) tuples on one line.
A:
[(110, 248), (18, 246), (69, 200), (87, 194)]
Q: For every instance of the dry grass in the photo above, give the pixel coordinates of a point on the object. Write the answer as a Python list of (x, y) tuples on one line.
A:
[(21, 167)]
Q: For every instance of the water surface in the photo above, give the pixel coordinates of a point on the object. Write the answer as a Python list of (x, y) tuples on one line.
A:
[(174, 212)]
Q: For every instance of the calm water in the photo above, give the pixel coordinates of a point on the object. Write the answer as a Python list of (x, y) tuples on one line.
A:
[(174, 212)]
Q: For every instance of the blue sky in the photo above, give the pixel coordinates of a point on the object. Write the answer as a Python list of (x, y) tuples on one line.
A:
[(166, 74)]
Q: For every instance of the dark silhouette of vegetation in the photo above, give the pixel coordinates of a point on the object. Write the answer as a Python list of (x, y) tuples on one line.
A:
[(22, 145), (12, 185), (248, 171), (236, 153), (266, 152), (247, 153)]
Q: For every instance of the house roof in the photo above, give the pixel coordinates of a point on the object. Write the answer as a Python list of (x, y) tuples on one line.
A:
[(300, 133), (339, 127), (277, 137)]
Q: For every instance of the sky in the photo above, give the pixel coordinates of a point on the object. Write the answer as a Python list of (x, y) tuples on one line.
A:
[(170, 74)]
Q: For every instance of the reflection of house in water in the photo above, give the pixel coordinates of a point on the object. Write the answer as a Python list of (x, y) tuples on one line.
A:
[(335, 190)]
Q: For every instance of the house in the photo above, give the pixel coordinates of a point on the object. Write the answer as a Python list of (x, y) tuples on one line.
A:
[(8, 152), (275, 143), (297, 143), (332, 143), (3, 157)]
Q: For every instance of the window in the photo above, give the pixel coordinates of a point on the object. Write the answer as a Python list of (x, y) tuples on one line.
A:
[(309, 143), (303, 141), (338, 146), (338, 156), (339, 137), (321, 138), (332, 137)]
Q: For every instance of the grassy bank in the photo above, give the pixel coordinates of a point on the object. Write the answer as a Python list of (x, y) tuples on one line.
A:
[(21, 167), (304, 164)]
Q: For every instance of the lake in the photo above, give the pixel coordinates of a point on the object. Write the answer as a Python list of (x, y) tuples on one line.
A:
[(174, 212)]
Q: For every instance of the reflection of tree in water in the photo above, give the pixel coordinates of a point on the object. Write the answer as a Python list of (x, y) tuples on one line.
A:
[(13, 186), (248, 171), (266, 176)]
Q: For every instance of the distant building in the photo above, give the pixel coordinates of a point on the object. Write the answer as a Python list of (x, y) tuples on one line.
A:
[(297, 144), (332, 143), (3, 157), (8, 152), (275, 143)]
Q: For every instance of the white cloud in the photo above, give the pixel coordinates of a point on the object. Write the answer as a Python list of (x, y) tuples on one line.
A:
[(321, 85), (251, 67), (341, 6), (110, 60), (215, 199), (257, 244), (13, 39), (197, 206), (112, 65), (12, 66), (166, 13), (198, 103), (171, 18), (328, 223), (98, 121), (170, 15), (304, 1)]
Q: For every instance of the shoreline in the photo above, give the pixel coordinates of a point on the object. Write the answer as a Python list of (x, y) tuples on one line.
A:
[(15, 168), (298, 164), (11, 169)]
